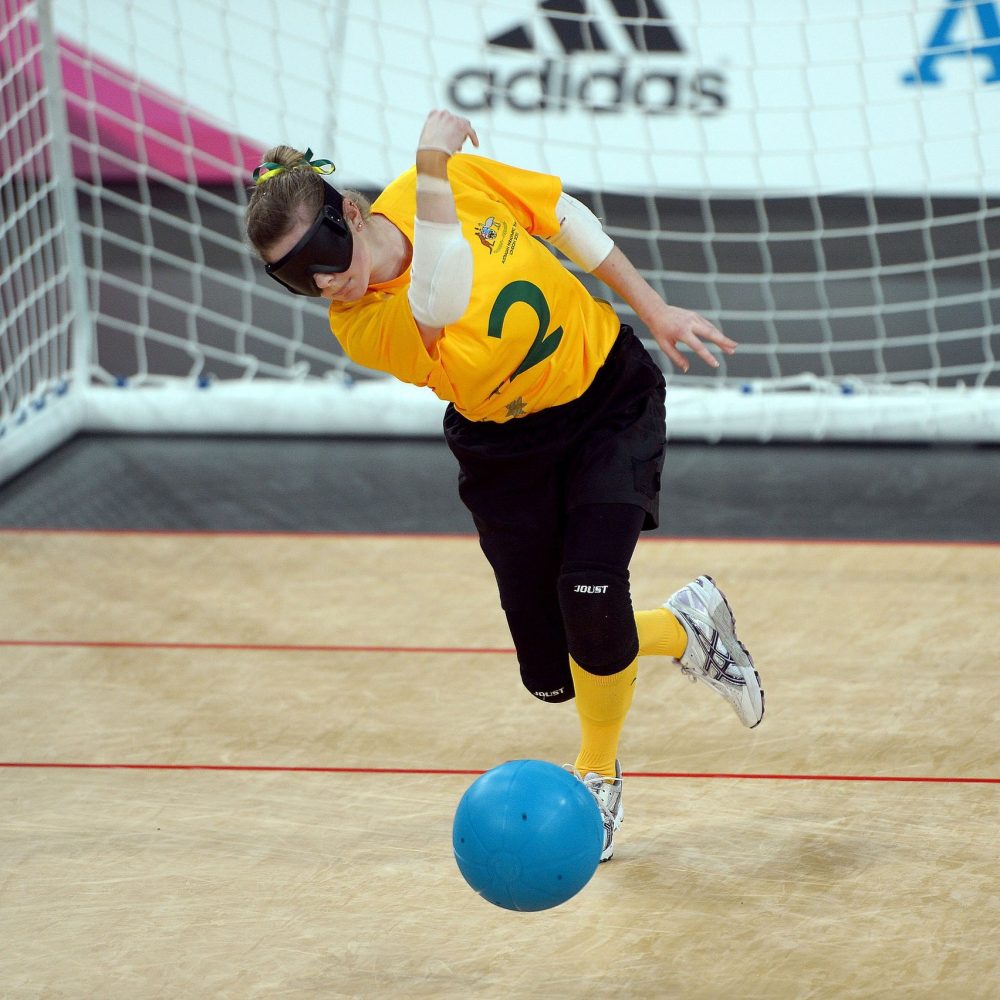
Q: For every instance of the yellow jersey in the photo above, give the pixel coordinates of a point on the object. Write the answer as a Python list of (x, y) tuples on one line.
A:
[(532, 336)]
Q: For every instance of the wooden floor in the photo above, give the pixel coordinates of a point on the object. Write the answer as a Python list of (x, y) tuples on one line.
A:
[(215, 776)]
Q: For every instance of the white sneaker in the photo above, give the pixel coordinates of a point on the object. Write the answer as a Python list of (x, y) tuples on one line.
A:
[(608, 793), (714, 655)]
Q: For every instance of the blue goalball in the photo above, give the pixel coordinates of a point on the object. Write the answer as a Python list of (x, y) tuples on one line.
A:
[(527, 835)]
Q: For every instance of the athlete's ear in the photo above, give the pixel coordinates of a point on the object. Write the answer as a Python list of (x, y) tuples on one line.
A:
[(352, 214)]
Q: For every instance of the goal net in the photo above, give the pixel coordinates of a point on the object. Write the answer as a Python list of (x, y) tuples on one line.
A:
[(820, 180), (40, 323)]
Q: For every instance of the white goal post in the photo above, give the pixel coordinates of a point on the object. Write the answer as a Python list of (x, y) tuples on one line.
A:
[(820, 180)]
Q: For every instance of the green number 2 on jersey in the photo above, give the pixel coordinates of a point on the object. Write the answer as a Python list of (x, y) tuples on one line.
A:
[(545, 342)]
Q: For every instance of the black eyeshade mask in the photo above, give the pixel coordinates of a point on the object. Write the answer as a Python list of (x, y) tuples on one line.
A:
[(326, 247)]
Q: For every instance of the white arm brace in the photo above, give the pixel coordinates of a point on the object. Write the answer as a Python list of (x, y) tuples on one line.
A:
[(441, 276), (581, 236)]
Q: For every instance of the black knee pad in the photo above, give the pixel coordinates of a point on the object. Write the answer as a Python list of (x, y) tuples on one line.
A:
[(598, 619), (552, 684)]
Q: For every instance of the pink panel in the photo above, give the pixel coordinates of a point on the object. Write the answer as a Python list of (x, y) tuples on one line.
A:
[(125, 121)]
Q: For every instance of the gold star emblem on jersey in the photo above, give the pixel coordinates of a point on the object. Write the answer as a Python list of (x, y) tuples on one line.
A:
[(516, 409)]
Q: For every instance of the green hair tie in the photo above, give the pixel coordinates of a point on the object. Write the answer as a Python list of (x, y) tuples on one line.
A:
[(265, 170), (320, 166), (268, 169)]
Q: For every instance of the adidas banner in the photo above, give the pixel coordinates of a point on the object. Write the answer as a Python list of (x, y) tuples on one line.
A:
[(634, 95)]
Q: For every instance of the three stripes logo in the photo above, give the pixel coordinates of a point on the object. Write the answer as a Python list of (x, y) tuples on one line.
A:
[(598, 56)]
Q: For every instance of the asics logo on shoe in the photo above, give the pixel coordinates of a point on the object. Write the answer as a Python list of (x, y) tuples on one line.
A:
[(718, 659), (586, 588)]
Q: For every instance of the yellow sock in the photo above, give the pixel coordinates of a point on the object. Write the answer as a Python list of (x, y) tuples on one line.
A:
[(660, 633), (602, 704)]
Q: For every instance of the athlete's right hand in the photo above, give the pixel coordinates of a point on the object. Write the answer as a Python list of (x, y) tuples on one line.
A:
[(446, 133)]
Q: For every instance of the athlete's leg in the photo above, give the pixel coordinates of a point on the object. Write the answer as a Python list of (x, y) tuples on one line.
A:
[(525, 558), (600, 626), (660, 633), (509, 482)]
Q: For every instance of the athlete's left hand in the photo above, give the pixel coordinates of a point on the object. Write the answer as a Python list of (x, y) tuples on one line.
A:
[(671, 326), (446, 133)]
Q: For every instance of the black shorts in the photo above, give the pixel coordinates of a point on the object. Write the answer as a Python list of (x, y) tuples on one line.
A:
[(605, 447), (565, 488)]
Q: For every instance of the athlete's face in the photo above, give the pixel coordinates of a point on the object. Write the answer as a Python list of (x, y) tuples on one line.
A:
[(347, 286)]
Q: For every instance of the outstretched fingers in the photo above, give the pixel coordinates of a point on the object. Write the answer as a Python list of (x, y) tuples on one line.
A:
[(695, 332)]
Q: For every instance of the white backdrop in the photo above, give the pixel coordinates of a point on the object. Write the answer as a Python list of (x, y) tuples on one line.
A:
[(766, 96)]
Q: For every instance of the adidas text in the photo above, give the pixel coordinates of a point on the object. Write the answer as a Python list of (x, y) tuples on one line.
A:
[(562, 86)]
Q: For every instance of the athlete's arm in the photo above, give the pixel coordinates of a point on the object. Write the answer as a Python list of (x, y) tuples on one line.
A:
[(581, 237), (669, 325), (441, 279)]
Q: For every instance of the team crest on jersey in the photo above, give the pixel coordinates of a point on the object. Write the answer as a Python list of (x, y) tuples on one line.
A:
[(490, 232), (517, 408)]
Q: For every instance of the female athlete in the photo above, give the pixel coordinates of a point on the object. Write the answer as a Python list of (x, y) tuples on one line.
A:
[(555, 409)]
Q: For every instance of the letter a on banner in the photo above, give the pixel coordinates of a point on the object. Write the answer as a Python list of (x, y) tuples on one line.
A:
[(942, 43)]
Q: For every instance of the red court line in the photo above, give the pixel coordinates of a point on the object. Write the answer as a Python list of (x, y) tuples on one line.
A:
[(471, 535), (407, 771), (250, 647)]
